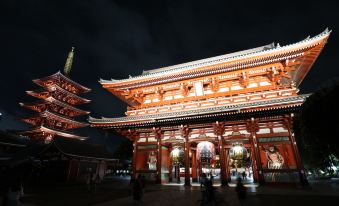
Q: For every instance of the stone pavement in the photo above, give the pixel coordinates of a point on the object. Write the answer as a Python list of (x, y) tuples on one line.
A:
[(177, 194), (170, 195)]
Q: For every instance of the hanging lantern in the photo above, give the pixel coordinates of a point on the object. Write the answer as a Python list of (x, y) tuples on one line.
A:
[(205, 152), (238, 152), (177, 155)]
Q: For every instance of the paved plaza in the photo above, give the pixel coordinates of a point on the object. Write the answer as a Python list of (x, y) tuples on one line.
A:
[(118, 192), (319, 192)]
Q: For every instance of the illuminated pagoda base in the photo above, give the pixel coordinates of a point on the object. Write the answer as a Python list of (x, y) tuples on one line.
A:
[(246, 99)]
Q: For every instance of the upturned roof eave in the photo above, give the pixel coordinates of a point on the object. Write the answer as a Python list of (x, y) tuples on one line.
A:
[(83, 88), (58, 116), (54, 131), (277, 49)]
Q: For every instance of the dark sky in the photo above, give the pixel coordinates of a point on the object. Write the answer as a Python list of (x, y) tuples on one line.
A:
[(114, 39)]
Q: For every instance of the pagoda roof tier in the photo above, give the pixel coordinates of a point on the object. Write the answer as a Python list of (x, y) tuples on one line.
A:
[(55, 92), (260, 106), (307, 49), (45, 131), (62, 81), (53, 120), (52, 104)]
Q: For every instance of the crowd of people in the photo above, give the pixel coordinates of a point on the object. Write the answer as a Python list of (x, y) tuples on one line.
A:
[(208, 194)]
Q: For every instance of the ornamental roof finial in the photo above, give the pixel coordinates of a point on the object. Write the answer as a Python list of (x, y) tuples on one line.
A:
[(68, 64)]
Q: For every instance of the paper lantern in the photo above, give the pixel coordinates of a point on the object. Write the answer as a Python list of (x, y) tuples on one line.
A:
[(206, 152), (177, 155), (238, 152)]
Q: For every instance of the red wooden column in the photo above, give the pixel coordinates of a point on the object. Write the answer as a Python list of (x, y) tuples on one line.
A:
[(187, 163), (289, 123), (253, 127), (194, 166), (227, 166), (184, 133), (222, 162), (134, 175), (254, 164), (219, 129), (170, 165), (159, 156)]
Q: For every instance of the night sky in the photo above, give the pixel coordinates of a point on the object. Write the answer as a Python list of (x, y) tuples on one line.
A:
[(114, 39)]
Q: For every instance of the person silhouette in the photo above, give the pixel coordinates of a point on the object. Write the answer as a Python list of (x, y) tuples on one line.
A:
[(137, 188), (240, 189), (244, 175)]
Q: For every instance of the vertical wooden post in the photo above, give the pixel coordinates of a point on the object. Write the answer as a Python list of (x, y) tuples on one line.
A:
[(159, 156), (227, 165), (219, 129), (300, 167), (194, 166), (177, 171), (252, 127), (184, 130), (134, 175), (69, 170), (187, 163), (170, 165), (222, 161), (254, 165)]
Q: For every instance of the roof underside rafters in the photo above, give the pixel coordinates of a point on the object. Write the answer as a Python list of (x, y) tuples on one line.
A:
[(43, 131), (47, 115), (43, 94), (45, 104), (59, 76), (262, 106)]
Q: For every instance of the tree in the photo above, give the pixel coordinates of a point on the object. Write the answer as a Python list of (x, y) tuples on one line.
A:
[(317, 127), (124, 150)]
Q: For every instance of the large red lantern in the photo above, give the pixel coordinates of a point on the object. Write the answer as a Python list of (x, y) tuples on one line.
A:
[(206, 152)]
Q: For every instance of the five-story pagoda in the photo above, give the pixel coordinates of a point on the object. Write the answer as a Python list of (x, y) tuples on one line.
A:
[(56, 107)]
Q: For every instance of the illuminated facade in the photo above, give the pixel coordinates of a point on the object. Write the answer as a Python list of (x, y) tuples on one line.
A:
[(244, 100), (56, 107)]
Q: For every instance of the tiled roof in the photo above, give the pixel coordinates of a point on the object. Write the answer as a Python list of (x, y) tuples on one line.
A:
[(51, 100), (60, 75), (56, 116), (12, 140), (52, 131), (221, 59)]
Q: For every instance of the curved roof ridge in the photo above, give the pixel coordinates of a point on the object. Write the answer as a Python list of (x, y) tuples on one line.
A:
[(227, 57), (86, 89)]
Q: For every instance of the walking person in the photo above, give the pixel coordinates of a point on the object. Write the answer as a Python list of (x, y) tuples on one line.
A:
[(244, 175), (208, 196), (96, 181), (14, 194), (89, 181), (137, 188), (240, 190), (203, 179)]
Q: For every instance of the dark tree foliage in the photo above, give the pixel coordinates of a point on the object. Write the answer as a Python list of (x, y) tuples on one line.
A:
[(317, 127), (124, 150)]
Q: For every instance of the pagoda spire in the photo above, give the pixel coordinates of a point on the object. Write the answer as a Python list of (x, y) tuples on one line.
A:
[(68, 64)]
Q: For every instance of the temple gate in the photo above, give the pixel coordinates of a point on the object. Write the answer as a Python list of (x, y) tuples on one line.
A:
[(241, 103)]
